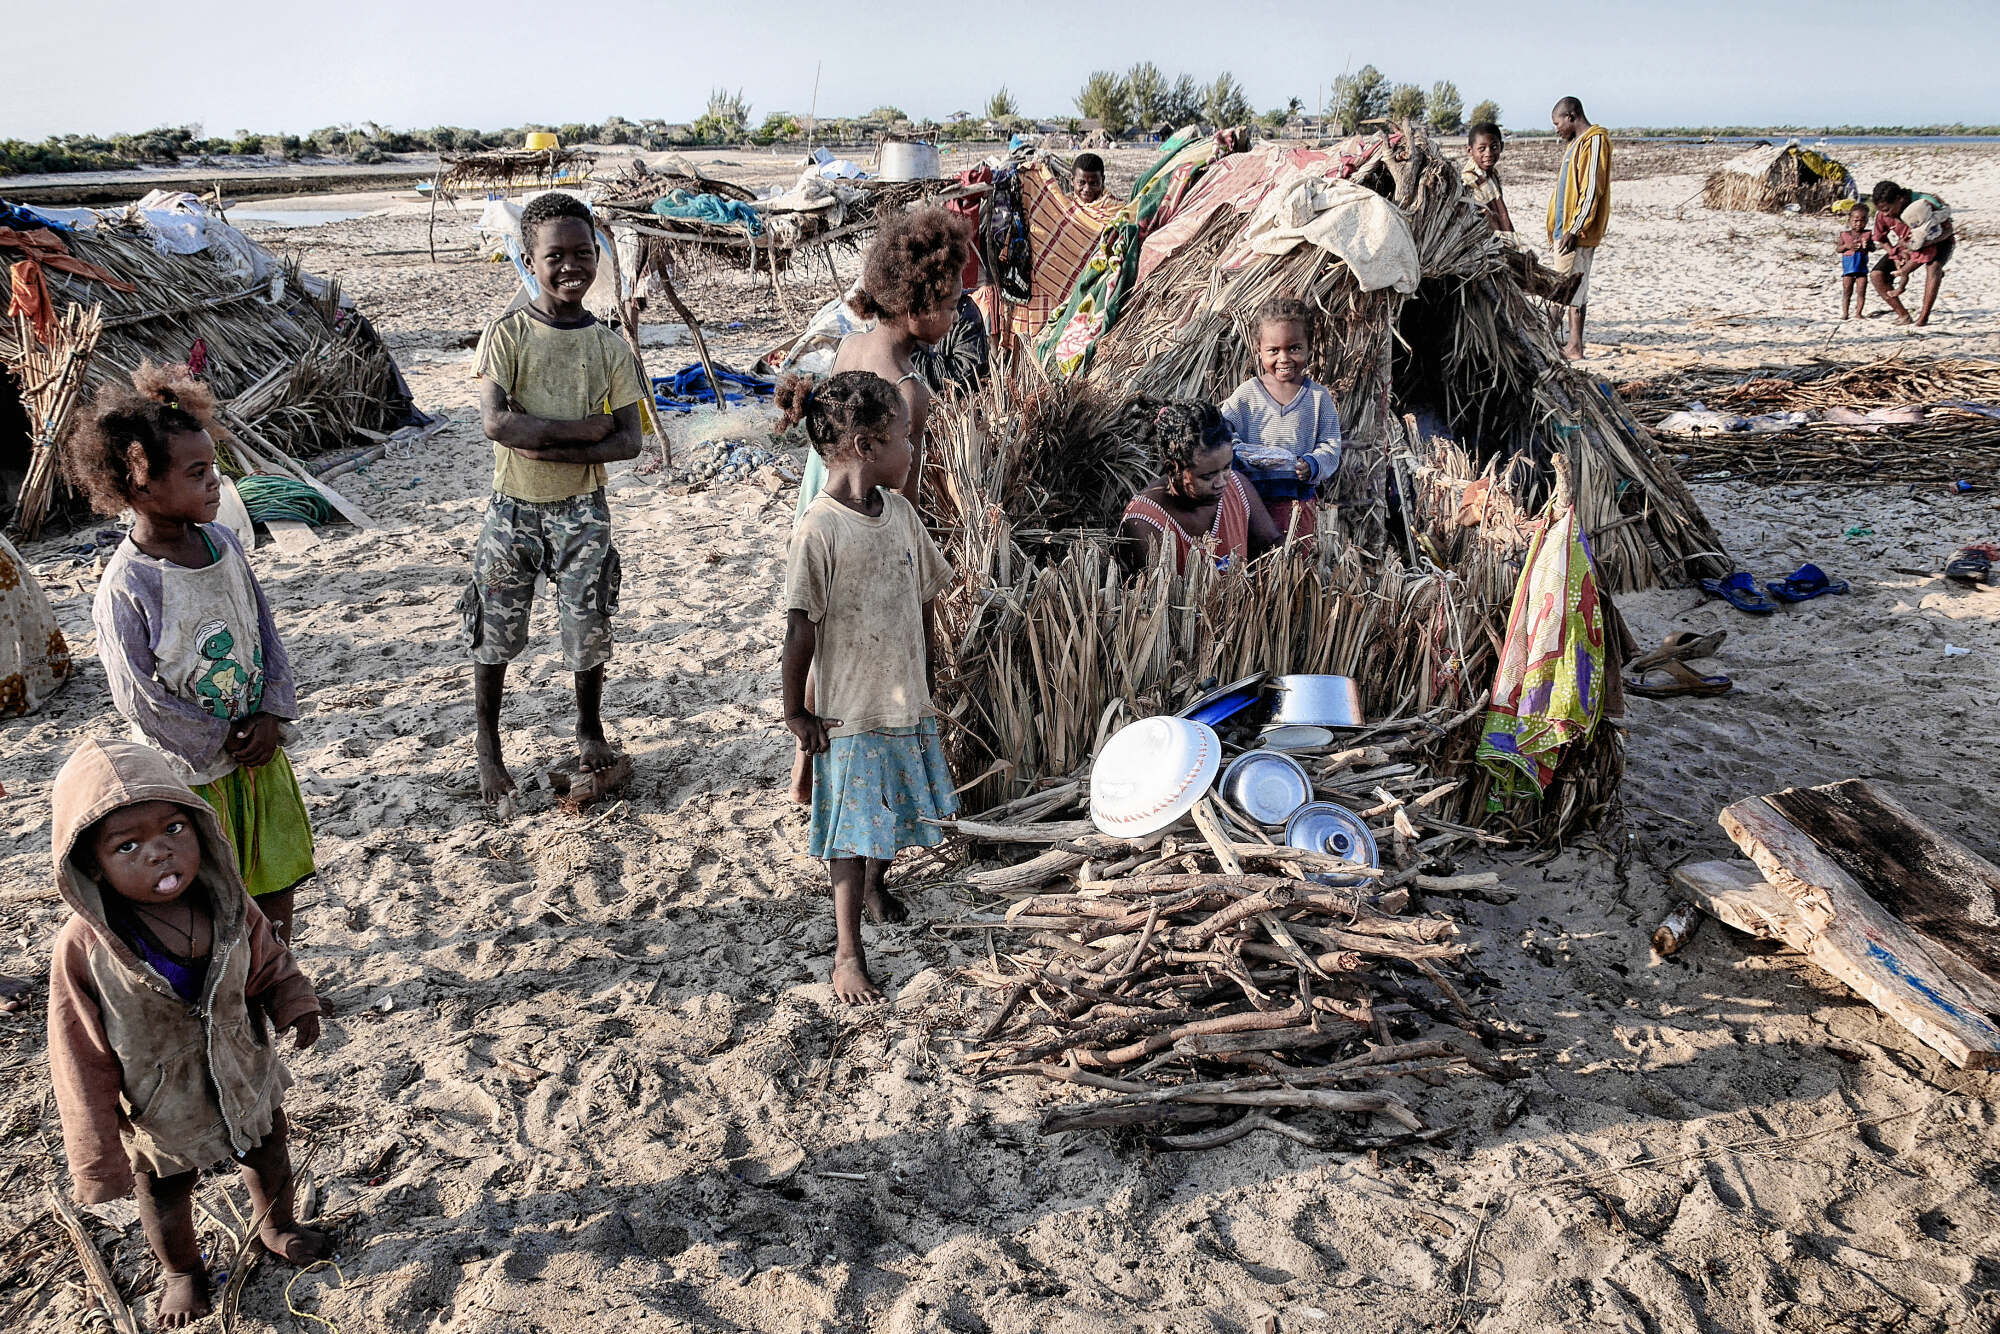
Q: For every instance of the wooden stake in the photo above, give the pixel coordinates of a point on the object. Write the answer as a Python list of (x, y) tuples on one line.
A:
[(95, 1270)]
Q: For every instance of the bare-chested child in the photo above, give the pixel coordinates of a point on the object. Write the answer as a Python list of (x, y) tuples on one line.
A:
[(559, 398), (860, 586), (1854, 245), (166, 989)]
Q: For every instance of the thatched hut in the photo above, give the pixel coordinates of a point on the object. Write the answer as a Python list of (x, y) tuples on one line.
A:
[(292, 362), (1453, 388), (1774, 178)]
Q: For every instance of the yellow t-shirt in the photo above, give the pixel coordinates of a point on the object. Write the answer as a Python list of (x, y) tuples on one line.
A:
[(560, 374)]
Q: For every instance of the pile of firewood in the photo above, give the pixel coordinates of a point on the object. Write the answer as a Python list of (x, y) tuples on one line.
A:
[(1208, 971)]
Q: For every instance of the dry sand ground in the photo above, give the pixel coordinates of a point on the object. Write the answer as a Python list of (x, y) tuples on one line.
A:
[(585, 1070)]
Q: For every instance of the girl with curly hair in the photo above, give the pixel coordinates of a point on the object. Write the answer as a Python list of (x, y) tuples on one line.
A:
[(1286, 426), (1200, 501), (861, 583), (183, 628), (910, 283)]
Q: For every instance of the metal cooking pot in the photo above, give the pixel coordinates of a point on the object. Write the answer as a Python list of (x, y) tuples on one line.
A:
[(1318, 701), (1266, 785)]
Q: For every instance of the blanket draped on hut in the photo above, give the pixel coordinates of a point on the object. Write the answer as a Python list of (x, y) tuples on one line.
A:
[(34, 657), (1062, 236), (1106, 282), (1550, 686)]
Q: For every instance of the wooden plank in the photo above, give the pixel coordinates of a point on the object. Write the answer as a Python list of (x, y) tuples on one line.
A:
[(1884, 963), (95, 1270), (1920, 983), (1931, 882), (1734, 894), (292, 536), (278, 461)]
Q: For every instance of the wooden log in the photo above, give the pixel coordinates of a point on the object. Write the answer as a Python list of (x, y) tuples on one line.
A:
[(1676, 929)]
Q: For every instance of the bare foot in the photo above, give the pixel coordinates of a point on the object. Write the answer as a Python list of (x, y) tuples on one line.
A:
[(14, 993), (494, 780), (883, 907), (594, 753), (1904, 319), (1922, 322), (852, 984), (183, 1299), (1571, 352), (297, 1245)]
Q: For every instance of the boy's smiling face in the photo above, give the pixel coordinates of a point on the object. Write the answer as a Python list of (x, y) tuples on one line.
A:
[(564, 259), (147, 852), (1485, 151)]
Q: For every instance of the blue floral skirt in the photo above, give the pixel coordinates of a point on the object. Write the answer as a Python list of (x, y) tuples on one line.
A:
[(872, 792)]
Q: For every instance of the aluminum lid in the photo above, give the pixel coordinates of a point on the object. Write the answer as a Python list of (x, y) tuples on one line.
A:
[(1151, 774), (1322, 826)]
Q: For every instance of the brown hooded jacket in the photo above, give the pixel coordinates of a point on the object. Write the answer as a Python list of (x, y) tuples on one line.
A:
[(183, 1086)]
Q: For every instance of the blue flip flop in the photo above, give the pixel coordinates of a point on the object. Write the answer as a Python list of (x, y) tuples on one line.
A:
[(1805, 583), (1739, 590)]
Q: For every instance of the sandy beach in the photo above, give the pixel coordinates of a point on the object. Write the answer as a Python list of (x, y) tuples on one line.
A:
[(584, 1071)]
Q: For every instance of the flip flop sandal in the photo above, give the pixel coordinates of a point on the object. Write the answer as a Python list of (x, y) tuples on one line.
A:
[(1680, 646), (1804, 584), (1739, 590), (1969, 565), (1681, 680)]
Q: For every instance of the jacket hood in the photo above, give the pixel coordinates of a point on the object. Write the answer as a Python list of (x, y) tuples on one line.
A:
[(100, 777)]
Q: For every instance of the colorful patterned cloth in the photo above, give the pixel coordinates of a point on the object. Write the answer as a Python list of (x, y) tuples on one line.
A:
[(872, 792), (1101, 290), (1062, 235), (1550, 688)]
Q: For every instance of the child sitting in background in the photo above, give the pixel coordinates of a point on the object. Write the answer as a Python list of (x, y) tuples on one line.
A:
[(860, 586), (1286, 426), (1855, 243), (1199, 500), (166, 987), (187, 641)]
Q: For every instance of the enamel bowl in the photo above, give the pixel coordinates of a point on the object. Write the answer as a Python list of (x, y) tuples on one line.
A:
[(1266, 785), (1151, 774)]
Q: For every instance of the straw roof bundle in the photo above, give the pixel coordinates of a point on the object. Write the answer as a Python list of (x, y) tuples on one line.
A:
[(318, 361), (1769, 180), (1951, 442)]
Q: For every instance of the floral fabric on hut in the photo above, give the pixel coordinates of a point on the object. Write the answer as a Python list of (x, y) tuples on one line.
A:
[(34, 657)]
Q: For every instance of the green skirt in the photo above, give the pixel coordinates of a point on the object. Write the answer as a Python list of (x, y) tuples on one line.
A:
[(265, 817)]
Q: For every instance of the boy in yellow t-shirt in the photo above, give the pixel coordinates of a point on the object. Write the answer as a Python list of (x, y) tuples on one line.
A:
[(559, 398)]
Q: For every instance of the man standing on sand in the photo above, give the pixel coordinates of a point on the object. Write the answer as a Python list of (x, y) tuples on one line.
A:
[(1579, 211)]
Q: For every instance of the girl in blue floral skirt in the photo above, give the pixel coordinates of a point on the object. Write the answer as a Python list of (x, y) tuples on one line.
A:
[(860, 585)]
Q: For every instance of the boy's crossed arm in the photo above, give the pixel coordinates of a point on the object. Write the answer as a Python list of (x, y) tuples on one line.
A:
[(600, 438)]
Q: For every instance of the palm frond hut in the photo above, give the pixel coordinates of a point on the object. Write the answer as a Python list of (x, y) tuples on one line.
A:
[(1455, 389), (292, 362), (1772, 178)]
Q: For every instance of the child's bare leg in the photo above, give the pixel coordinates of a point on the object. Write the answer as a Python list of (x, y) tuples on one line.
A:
[(267, 1171), (1933, 279), (489, 683), (882, 906), (1860, 296), (166, 1213), (1880, 281), (281, 907), (1846, 294), (593, 752), (1574, 348), (851, 982)]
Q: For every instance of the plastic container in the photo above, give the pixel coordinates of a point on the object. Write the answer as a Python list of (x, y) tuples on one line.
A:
[(540, 141)]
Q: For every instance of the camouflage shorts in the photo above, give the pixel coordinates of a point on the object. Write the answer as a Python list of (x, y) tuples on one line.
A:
[(566, 541)]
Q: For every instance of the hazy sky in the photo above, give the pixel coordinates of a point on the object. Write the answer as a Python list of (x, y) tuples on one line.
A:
[(92, 66)]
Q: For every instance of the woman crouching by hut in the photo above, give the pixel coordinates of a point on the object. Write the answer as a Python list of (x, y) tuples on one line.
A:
[(1200, 501)]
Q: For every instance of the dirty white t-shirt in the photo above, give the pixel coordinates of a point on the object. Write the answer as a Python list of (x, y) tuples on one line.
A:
[(863, 583)]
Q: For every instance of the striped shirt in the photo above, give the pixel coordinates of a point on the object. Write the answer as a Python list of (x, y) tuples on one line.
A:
[(1581, 201)]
